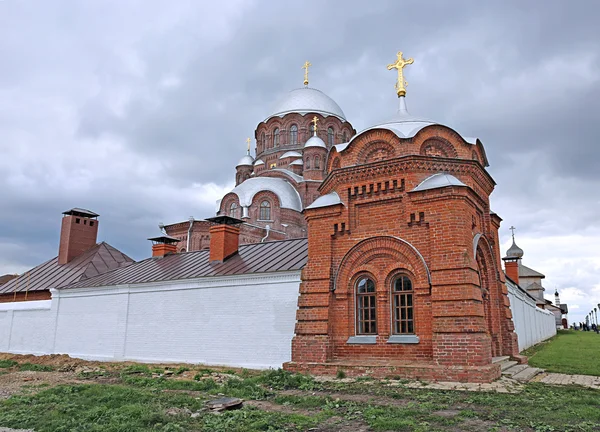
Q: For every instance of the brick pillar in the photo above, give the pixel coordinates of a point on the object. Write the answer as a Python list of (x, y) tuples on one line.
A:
[(224, 242), (162, 249)]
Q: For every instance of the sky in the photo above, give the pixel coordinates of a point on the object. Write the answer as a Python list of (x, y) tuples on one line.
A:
[(139, 110)]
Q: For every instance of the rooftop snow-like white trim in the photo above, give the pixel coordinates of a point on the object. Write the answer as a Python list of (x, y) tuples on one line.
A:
[(259, 162), (245, 161), (330, 199), (290, 154), (287, 194), (437, 181), (315, 141), (297, 162)]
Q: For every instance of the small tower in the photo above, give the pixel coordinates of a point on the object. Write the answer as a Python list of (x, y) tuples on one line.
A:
[(315, 155), (556, 298), (244, 167), (513, 259), (78, 233)]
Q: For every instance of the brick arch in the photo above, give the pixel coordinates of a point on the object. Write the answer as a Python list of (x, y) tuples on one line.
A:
[(227, 201), (376, 151), (438, 147), (399, 252)]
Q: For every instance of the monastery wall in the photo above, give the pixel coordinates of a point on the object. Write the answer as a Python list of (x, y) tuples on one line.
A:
[(532, 324), (239, 321)]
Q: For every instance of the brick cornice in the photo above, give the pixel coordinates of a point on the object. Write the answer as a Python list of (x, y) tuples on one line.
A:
[(408, 163)]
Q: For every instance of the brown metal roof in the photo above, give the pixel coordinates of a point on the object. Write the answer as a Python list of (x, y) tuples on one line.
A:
[(252, 258), (97, 260)]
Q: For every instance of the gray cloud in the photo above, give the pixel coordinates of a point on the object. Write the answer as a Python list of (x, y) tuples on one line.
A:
[(139, 110)]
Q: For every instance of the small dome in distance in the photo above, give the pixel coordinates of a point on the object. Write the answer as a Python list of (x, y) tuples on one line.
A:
[(514, 251), (315, 141), (246, 161)]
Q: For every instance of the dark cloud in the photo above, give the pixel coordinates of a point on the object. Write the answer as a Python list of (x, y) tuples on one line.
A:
[(139, 110)]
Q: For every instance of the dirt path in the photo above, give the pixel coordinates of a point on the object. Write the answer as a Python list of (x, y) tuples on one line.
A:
[(349, 397)]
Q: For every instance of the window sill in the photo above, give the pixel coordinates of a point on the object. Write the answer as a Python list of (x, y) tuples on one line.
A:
[(403, 339), (362, 340), (264, 220)]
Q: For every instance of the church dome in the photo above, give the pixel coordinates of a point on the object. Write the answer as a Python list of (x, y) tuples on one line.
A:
[(307, 100), (246, 161), (315, 141), (514, 251), (405, 125)]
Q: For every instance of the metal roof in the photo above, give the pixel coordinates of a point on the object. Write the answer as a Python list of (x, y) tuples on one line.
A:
[(287, 194), (265, 257), (438, 180), (76, 211), (97, 260), (307, 100), (525, 271)]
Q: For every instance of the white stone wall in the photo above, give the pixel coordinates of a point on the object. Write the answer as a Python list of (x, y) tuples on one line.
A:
[(532, 324), (241, 321)]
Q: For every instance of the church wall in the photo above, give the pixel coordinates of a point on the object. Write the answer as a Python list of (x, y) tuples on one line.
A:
[(238, 321)]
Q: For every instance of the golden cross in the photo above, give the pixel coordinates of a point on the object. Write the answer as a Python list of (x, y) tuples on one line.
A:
[(400, 63), (314, 122), (307, 64), (248, 142)]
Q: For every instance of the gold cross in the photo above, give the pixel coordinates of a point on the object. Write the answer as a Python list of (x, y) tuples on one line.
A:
[(248, 142), (314, 122), (400, 63), (305, 67)]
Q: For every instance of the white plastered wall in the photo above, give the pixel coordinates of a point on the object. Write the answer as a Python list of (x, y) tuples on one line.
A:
[(243, 321), (532, 324)]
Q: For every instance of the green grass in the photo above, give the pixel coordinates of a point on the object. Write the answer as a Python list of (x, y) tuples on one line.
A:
[(569, 352), (35, 367), (7, 363)]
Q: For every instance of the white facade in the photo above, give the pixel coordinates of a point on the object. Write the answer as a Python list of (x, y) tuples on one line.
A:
[(241, 321), (532, 324)]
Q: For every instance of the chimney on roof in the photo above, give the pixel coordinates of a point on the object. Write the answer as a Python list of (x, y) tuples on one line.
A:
[(78, 233), (224, 237), (163, 245)]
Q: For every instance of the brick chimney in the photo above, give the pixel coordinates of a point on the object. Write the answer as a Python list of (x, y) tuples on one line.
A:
[(513, 259), (163, 245), (78, 233), (224, 237)]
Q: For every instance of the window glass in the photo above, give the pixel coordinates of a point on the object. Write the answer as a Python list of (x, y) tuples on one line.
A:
[(276, 137), (294, 135), (265, 210), (366, 307), (330, 136), (402, 305), (232, 209)]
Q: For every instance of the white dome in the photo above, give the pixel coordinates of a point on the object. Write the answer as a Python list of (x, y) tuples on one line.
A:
[(315, 141), (288, 196), (405, 125), (307, 100), (259, 162), (438, 180), (290, 154), (245, 161)]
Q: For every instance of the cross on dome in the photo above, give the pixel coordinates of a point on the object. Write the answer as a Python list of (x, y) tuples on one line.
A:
[(248, 143), (306, 65), (399, 65), (512, 228), (314, 122)]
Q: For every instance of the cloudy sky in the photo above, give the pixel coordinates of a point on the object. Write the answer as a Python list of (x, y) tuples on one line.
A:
[(139, 110)]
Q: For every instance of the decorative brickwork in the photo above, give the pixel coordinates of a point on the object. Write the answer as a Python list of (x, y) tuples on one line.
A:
[(443, 240)]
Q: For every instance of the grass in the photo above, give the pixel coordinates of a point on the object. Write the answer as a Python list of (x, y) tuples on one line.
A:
[(35, 367), (569, 352), (4, 364)]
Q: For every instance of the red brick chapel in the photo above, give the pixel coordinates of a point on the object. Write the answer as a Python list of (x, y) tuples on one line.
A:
[(403, 275)]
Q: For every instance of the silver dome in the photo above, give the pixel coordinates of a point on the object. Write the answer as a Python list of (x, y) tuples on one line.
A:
[(245, 161), (307, 100), (514, 251), (315, 141)]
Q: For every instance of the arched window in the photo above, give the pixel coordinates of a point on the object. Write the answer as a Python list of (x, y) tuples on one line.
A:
[(276, 137), (402, 306), (317, 162), (307, 162), (344, 137), (366, 308), (294, 135), (263, 140), (232, 210), (330, 136), (265, 211)]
